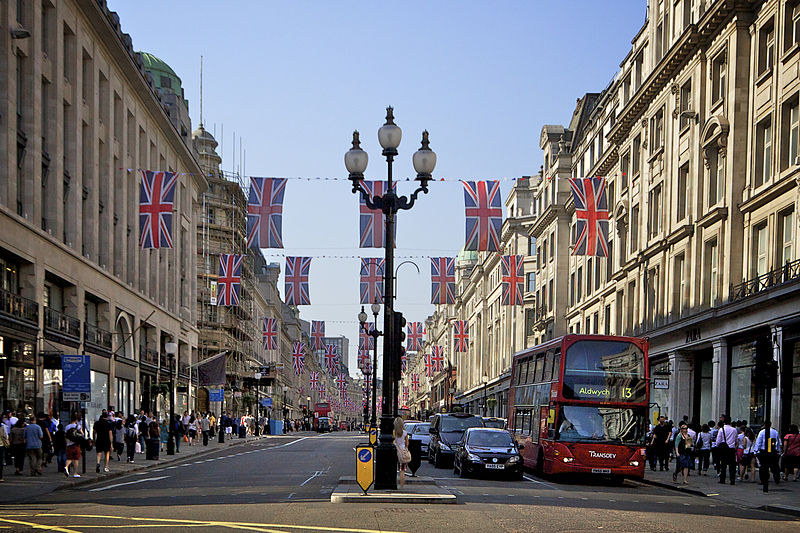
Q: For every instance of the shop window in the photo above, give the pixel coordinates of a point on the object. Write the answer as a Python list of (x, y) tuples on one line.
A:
[(747, 399)]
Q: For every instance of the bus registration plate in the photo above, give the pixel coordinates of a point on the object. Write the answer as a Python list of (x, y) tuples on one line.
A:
[(498, 467), (601, 470)]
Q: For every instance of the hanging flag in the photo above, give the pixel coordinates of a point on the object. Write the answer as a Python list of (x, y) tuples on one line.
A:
[(317, 335), (297, 280), (313, 380), (403, 362), (269, 330), (331, 358), (428, 366), (265, 212), (484, 213), (513, 279), (341, 382), (365, 340), (405, 394), (461, 335), (156, 198), (443, 280), (591, 212), (372, 272), (414, 336), (322, 389), (363, 359), (230, 278), (372, 221), (437, 358), (415, 382), (299, 357)]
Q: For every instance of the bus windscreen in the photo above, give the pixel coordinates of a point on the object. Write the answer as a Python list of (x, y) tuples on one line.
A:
[(617, 425), (604, 371)]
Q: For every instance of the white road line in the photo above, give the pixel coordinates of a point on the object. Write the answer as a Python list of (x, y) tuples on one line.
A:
[(316, 474), (290, 496), (539, 482), (127, 483)]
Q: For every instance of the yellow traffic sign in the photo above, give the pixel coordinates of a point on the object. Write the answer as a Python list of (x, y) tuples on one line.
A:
[(373, 435), (365, 466)]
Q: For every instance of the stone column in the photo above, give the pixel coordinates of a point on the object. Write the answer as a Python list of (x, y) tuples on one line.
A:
[(719, 391), (776, 396), (681, 386)]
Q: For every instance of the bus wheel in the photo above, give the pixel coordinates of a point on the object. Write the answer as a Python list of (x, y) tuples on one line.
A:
[(539, 468)]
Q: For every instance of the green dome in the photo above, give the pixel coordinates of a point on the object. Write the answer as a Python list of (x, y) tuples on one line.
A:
[(159, 69), (467, 256)]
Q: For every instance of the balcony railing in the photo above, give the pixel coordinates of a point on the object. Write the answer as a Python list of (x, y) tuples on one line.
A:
[(98, 337), (148, 356), (19, 307), (773, 278), (61, 323)]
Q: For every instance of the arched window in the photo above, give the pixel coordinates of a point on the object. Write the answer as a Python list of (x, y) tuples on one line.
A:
[(124, 337)]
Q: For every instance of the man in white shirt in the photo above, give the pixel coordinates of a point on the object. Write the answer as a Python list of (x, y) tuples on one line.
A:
[(726, 448), (768, 448)]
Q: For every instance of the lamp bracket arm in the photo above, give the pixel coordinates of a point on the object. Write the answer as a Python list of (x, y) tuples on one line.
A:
[(372, 203), (407, 203)]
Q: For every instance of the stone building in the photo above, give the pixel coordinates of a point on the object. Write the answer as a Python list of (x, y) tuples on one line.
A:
[(81, 118)]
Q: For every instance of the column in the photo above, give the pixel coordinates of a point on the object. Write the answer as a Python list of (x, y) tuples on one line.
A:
[(776, 396), (681, 389), (719, 391)]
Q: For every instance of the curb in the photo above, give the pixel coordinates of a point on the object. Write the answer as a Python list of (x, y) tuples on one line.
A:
[(783, 509), (661, 484)]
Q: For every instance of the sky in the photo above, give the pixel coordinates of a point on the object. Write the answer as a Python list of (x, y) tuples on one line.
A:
[(294, 79)]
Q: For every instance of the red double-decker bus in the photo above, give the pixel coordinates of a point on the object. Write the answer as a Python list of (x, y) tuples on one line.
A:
[(579, 405)]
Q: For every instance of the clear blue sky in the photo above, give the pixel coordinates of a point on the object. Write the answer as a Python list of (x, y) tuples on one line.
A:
[(294, 79)]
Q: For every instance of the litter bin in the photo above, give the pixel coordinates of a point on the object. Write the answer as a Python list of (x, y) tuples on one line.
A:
[(415, 447), (276, 427), (242, 431)]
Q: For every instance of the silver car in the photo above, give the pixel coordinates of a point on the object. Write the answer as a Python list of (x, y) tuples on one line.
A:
[(420, 432)]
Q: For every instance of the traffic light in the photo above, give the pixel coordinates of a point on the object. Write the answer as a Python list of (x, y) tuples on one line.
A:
[(765, 368), (399, 331)]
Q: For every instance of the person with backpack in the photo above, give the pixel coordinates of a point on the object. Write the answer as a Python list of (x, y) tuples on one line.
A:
[(703, 450), (131, 437), (726, 449), (119, 437), (74, 437), (767, 449)]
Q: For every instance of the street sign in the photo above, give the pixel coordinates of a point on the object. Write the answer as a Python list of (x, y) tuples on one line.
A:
[(215, 395), (661, 383), (373, 435), (77, 379), (266, 402), (278, 365), (365, 466)]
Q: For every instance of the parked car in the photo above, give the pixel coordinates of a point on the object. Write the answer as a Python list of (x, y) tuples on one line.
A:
[(488, 451), (420, 432), (492, 422), (445, 431)]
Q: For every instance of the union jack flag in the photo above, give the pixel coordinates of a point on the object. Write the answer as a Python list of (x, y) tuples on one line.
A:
[(265, 212), (156, 198), (297, 280), (269, 329), (513, 279), (415, 382), (484, 215), (299, 357), (317, 334), (313, 380), (331, 358), (379, 402), (372, 221), (437, 358), (365, 340), (461, 335), (229, 281), (591, 212), (403, 362), (405, 394), (321, 389), (414, 336), (428, 366), (341, 382), (443, 280), (363, 359), (372, 270)]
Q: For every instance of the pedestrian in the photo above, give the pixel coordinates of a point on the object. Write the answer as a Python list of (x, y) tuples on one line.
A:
[(192, 428), (47, 438), (767, 449), (143, 422), (726, 449), (5, 446), (401, 443), (177, 432), (33, 446), (703, 449), (213, 422), (683, 453), (102, 433), (748, 457), (163, 435), (205, 427), (154, 436), (661, 443), (131, 437), (18, 445), (60, 447), (119, 438), (75, 438), (791, 454)]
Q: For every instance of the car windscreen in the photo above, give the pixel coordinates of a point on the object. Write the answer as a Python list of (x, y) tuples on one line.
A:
[(490, 439), (457, 423), (500, 424), (421, 428), (601, 424)]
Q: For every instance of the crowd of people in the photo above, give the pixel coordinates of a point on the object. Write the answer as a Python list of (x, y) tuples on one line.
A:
[(733, 449)]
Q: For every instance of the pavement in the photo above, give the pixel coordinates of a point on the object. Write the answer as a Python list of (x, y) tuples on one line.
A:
[(417, 490), (25, 488), (783, 497)]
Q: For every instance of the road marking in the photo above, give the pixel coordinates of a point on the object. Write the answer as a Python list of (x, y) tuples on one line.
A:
[(127, 483), (37, 526), (290, 496), (539, 482), (316, 474)]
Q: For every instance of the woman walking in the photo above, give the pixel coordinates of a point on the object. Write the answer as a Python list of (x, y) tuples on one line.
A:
[(131, 437), (401, 443), (119, 438), (683, 453), (748, 457), (703, 450), (791, 453), (18, 445)]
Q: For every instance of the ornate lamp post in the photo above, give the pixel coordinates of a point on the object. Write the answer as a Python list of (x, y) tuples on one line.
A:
[(355, 160), (285, 411), (171, 348), (362, 318), (307, 421), (485, 383)]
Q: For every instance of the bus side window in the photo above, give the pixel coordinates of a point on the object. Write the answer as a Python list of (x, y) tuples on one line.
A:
[(548, 368), (526, 423), (535, 425), (557, 364)]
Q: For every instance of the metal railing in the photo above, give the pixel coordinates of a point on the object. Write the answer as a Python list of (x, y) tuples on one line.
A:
[(62, 323), (97, 336), (148, 355), (788, 272), (19, 307)]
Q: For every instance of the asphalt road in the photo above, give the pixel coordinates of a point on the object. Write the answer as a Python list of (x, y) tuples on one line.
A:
[(285, 485)]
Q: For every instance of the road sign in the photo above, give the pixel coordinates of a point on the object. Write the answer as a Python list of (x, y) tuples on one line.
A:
[(373, 435), (215, 395), (278, 365), (265, 402), (365, 466), (77, 378)]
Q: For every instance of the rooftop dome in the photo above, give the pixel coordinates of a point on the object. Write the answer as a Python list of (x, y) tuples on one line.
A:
[(151, 62), (467, 256)]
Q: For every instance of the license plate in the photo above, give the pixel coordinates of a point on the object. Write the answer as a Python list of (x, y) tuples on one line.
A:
[(494, 466), (601, 470)]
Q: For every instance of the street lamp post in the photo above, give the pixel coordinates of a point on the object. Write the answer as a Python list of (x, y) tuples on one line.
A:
[(307, 421), (171, 348), (485, 383), (355, 160), (285, 411), (362, 318), (257, 375)]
